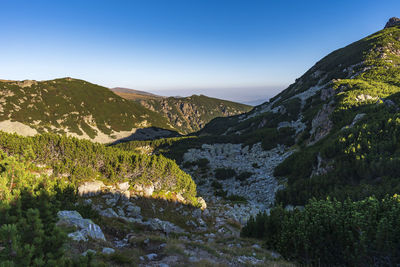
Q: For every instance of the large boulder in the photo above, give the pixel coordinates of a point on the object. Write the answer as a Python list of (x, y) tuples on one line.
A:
[(86, 228)]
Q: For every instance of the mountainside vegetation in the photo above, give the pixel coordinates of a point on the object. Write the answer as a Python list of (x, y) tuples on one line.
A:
[(186, 114), (319, 163), (81, 160), (348, 151), (341, 121), (73, 106)]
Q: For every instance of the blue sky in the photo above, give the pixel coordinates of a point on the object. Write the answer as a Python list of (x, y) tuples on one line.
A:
[(240, 50)]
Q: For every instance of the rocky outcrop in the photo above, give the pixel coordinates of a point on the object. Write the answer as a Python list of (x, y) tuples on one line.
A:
[(90, 188), (86, 228), (392, 22), (321, 125)]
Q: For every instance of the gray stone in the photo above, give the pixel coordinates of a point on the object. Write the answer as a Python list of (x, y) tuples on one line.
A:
[(90, 188), (202, 222), (392, 22), (112, 199), (193, 259), (275, 255), (108, 250), (87, 201), (196, 213), (165, 226), (151, 256), (109, 212), (191, 223), (78, 236), (132, 210), (89, 251), (94, 231), (86, 226), (120, 212)]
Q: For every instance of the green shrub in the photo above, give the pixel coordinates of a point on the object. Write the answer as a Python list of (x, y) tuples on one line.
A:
[(244, 176), (216, 185), (224, 173), (333, 233), (82, 159)]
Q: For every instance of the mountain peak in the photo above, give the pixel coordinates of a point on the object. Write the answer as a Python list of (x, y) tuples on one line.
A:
[(394, 21)]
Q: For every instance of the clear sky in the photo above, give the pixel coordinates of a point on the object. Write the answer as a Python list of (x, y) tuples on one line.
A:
[(234, 49)]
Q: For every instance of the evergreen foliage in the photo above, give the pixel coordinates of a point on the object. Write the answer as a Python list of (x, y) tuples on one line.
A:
[(82, 160), (333, 233)]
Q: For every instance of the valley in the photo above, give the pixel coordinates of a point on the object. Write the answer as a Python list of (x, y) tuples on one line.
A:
[(98, 177)]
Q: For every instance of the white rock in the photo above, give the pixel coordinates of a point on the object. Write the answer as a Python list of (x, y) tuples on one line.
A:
[(90, 188), (151, 256), (148, 190), (202, 203), (123, 186), (145, 190), (108, 250)]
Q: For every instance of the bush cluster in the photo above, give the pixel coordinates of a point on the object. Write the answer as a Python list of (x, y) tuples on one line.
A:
[(333, 233)]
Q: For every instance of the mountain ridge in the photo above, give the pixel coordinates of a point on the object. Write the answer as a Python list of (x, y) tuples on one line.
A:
[(187, 114)]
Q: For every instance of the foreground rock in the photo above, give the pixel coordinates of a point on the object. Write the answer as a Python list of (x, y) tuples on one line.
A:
[(86, 227)]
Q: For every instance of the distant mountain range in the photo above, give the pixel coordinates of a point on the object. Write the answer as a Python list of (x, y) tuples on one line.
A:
[(186, 114), (85, 110)]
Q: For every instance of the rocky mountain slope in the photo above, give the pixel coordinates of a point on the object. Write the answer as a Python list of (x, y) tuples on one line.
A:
[(187, 114), (337, 112), (333, 134), (326, 148), (74, 107), (71, 202)]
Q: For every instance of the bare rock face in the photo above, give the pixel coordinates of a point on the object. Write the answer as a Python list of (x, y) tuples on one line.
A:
[(321, 124), (90, 188), (392, 22)]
